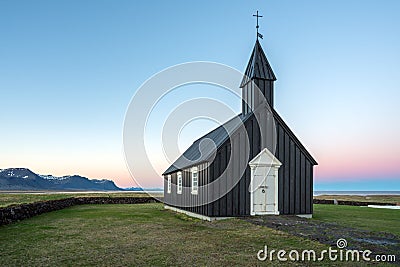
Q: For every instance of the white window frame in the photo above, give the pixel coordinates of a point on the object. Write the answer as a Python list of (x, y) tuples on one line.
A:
[(169, 184), (179, 183), (195, 181)]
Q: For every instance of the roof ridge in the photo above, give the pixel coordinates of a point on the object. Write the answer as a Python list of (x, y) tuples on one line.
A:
[(216, 128), (192, 151), (291, 133)]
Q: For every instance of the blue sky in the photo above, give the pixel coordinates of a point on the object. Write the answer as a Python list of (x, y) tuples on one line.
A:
[(68, 70)]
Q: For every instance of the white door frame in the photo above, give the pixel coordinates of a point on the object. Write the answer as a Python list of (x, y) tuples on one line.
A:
[(264, 159)]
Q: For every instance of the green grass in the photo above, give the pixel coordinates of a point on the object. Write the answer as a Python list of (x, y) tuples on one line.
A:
[(376, 220), (7, 199), (148, 235), (139, 235)]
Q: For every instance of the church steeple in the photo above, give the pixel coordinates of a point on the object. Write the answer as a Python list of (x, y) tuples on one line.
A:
[(260, 72), (258, 66)]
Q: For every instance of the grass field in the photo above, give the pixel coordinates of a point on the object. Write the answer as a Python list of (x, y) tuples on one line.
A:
[(7, 199), (146, 234), (137, 235), (376, 220)]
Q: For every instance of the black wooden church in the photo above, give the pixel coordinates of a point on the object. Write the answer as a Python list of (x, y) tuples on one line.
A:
[(277, 165)]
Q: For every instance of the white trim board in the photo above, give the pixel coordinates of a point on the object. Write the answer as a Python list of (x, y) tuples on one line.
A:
[(307, 216), (210, 219), (195, 215)]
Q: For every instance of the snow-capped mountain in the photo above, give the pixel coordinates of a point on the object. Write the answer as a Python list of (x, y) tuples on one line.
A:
[(25, 179), (51, 177), (17, 173)]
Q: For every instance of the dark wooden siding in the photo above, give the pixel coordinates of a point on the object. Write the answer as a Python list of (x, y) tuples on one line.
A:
[(295, 177), (267, 89), (187, 200), (237, 201), (295, 185)]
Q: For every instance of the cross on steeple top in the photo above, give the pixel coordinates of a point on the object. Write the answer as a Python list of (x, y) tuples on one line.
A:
[(258, 16)]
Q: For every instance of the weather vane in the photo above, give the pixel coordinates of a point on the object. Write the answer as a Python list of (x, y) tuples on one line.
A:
[(258, 34)]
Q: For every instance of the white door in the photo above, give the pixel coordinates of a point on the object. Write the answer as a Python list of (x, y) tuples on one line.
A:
[(264, 193)]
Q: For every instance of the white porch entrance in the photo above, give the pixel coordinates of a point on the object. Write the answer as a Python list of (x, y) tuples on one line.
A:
[(264, 184)]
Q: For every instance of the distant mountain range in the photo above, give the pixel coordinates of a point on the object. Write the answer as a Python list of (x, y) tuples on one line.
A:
[(143, 189), (25, 179)]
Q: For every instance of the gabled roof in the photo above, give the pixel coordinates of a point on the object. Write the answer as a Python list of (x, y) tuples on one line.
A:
[(216, 138), (258, 66), (265, 158), (279, 119), (193, 156)]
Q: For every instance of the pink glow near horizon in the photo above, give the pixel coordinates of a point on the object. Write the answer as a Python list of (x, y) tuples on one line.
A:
[(357, 165), (333, 166)]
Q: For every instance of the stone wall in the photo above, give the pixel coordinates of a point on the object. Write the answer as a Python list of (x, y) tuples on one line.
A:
[(24, 211), (350, 203)]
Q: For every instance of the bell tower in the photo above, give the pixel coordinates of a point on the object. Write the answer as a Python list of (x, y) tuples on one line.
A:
[(258, 72)]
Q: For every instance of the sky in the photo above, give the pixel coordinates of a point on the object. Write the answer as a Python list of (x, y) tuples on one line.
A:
[(69, 69)]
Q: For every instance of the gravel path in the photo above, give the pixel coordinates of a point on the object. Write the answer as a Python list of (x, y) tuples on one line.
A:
[(329, 233)]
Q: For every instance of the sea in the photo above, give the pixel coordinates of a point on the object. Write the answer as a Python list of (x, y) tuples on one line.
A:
[(356, 193)]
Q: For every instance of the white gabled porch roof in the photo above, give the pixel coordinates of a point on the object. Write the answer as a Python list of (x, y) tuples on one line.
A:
[(265, 158)]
